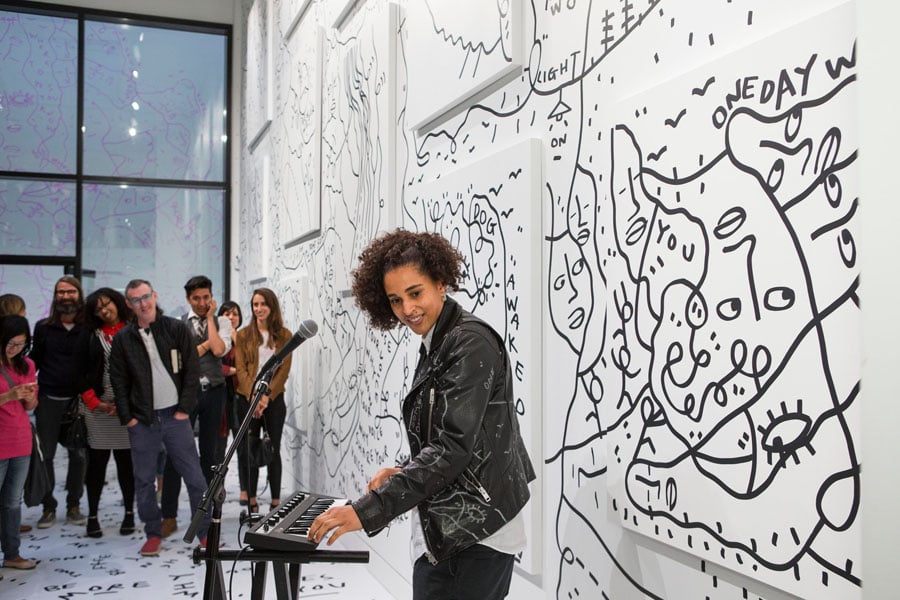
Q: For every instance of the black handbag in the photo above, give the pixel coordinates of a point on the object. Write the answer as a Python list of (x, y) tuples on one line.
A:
[(261, 450), (37, 484), (73, 429)]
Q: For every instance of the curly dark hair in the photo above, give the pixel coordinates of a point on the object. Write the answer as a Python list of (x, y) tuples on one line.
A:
[(92, 302), (430, 252)]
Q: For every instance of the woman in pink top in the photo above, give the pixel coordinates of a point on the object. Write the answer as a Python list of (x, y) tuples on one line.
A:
[(18, 393)]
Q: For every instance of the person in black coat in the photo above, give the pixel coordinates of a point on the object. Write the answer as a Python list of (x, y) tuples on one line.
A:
[(468, 472)]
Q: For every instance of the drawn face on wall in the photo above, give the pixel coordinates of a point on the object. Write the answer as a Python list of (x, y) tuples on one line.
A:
[(570, 285)]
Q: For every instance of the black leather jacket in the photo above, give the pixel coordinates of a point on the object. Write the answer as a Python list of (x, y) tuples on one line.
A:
[(469, 471), (132, 379)]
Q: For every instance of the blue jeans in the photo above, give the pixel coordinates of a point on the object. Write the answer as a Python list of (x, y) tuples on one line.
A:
[(13, 472), (210, 407), (476, 572), (177, 436)]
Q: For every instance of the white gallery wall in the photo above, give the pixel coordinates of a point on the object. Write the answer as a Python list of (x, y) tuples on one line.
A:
[(659, 207)]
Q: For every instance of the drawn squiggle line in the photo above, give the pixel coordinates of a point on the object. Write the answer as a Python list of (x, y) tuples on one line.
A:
[(656, 155), (702, 91), (673, 123), (457, 41)]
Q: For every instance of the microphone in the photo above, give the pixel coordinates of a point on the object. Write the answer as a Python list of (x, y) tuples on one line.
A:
[(307, 329)]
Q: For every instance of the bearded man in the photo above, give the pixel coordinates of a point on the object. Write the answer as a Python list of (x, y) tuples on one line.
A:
[(56, 352)]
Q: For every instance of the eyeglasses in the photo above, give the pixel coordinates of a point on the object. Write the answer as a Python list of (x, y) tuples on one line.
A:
[(14, 345), (66, 292), (138, 300)]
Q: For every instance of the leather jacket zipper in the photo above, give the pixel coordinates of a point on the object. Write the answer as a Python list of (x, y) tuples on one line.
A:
[(430, 410), (478, 486)]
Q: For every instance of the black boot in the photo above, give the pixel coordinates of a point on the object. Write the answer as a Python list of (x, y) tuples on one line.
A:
[(93, 527), (127, 527)]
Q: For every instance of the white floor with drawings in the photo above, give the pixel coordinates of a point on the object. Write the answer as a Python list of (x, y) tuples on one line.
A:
[(72, 565)]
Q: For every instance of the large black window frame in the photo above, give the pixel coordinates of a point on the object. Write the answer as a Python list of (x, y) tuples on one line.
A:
[(72, 262)]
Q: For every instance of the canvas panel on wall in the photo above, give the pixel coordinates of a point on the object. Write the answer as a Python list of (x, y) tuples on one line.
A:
[(457, 48), (491, 212), (296, 135), (255, 217), (258, 74), (733, 194)]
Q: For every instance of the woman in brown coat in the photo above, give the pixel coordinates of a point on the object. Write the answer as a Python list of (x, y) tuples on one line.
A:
[(254, 345)]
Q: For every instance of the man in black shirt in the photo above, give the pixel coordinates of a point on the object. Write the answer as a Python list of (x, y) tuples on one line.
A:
[(59, 362)]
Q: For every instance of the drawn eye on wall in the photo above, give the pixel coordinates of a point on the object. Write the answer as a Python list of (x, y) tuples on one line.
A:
[(786, 433), (730, 222), (729, 309), (833, 190), (792, 124), (828, 150), (847, 248), (775, 176), (635, 231), (779, 298)]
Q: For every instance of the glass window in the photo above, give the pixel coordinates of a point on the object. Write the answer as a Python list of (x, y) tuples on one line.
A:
[(35, 283), (38, 93), (135, 184), (154, 103), (37, 218), (164, 235)]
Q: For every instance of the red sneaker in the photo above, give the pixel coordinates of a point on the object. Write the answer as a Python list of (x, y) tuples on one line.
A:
[(151, 546)]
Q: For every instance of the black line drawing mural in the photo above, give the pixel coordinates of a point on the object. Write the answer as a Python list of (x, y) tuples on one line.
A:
[(700, 364), (353, 423)]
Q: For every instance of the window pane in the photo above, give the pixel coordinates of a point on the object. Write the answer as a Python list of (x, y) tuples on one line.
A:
[(164, 235), (38, 93), (154, 103), (37, 218), (34, 283)]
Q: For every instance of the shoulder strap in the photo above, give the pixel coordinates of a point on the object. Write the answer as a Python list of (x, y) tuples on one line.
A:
[(7, 377)]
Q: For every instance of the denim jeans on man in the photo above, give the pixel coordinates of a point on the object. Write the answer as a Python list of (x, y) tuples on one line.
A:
[(476, 572), (177, 436), (13, 472), (210, 408)]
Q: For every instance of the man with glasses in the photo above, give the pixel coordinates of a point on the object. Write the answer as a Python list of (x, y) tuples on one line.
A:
[(57, 342), (155, 372)]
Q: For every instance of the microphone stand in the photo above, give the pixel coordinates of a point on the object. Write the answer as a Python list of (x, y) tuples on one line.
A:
[(214, 582)]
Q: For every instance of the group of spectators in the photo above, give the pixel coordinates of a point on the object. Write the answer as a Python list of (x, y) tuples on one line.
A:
[(466, 476), (145, 383)]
